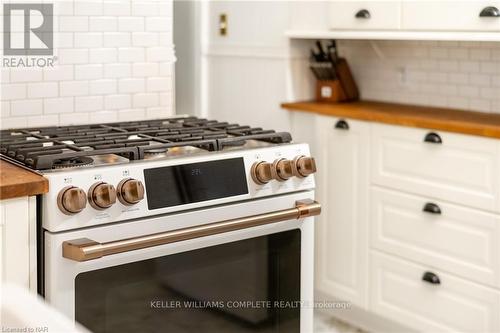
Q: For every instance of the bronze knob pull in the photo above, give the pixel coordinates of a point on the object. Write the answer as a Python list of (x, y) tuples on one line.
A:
[(71, 200), (130, 191), (283, 169), (102, 195), (261, 172), (304, 166)]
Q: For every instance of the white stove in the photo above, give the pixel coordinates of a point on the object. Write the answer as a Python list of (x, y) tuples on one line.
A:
[(175, 225)]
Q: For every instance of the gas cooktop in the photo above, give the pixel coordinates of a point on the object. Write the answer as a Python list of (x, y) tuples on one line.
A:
[(65, 147)]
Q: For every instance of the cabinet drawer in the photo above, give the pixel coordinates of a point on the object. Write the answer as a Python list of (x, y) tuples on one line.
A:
[(399, 292), (365, 15), (450, 15), (460, 169), (452, 238)]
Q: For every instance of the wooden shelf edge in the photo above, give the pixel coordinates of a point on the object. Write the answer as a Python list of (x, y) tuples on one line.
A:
[(451, 120), (16, 182), (479, 36)]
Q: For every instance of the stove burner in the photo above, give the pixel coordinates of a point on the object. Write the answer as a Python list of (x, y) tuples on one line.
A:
[(75, 146), (72, 162)]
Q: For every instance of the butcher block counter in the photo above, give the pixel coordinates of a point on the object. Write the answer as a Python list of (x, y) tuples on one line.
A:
[(18, 182), (465, 122)]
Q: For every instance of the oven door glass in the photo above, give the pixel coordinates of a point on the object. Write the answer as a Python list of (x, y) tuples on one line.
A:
[(251, 285)]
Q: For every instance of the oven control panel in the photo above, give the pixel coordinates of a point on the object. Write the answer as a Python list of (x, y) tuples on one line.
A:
[(84, 197)]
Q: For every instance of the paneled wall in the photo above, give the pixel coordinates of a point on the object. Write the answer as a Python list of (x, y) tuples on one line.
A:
[(114, 62)]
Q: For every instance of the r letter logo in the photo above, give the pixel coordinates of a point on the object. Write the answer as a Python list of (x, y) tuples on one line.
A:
[(28, 29)]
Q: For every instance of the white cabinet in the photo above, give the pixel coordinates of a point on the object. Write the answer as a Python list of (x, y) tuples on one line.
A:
[(452, 167), (450, 237), (451, 15), (365, 15), (342, 189), (18, 242), (398, 291)]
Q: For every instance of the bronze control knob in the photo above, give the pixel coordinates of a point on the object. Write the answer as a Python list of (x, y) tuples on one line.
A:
[(102, 195), (71, 200), (130, 191), (282, 169), (261, 172), (304, 166)]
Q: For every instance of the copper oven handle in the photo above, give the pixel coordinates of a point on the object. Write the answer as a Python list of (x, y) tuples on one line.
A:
[(86, 249)]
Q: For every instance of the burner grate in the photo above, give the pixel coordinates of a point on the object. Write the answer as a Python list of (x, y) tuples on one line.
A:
[(74, 146)]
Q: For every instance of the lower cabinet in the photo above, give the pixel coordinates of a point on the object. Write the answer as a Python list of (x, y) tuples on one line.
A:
[(410, 228), (342, 189), (430, 300), (18, 242)]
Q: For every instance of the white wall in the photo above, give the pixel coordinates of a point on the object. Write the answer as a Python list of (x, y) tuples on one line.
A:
[(115, 62)]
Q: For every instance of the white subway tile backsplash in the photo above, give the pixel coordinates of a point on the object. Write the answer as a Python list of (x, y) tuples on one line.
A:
[(13, 91), (131, 114), (27, 107), (74, 88), (87, 72), (40, 121), (73, 56), (58, 105), (145, 39), (131, 85), (88, 8), (131, 54), (73, 23), (116, 8), (116, 39), (145, 100), (43, 89), (462, 75), (141, 69), (78, 118), (114, 60), (103, 23), (25, 75), (130, 24), (88, 39), (58, 73), (112, 102), (88, 103), (103, 87), (103, 117), (159, 84), (103, 56), (117, 70), (159, 24)]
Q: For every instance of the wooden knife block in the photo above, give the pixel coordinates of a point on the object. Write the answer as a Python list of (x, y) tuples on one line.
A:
[(330, 91)]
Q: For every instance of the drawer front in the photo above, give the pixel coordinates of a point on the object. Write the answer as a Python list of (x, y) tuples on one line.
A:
[(461, 169), (364, 15), (399, 292), (451, 238), (450, 15)]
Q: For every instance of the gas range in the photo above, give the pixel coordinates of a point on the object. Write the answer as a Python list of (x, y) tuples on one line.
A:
[(178, 209), (119, 171)]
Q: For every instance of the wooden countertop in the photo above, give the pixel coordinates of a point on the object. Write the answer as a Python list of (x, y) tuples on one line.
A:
[(466, 122), (18, 182)]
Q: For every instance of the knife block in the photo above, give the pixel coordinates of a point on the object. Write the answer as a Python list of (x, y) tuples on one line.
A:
[(330, 91)]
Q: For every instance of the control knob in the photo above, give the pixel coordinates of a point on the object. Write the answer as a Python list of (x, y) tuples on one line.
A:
[(282, 169), (262, 172), (304, 166), (71, 200), (130, 191), (102, 195)]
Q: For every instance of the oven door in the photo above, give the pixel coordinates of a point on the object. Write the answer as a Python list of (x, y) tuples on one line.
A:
[(245, 267)]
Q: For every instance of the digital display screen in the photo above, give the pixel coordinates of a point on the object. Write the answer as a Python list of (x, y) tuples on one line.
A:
[(195, 182)]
